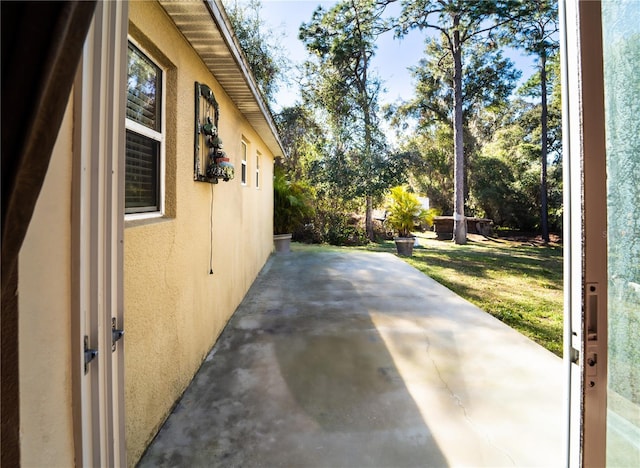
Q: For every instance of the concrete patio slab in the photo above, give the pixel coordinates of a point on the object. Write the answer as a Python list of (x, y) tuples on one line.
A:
[(355, 359)]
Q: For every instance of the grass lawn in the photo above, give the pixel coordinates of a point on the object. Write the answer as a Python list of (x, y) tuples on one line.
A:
[(519, 283)]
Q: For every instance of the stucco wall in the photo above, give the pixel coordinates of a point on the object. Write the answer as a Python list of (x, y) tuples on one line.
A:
[(46, 425), (175, 309)]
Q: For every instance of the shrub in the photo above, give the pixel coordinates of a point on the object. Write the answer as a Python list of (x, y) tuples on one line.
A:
[(341, 228), (292, 204), (405, 211)]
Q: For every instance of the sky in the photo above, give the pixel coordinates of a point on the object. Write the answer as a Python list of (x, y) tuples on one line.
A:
[(391, 61)]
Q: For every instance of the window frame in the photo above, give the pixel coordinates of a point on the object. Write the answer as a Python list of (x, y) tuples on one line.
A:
[(258, 157), (243, 162), (159, 136)]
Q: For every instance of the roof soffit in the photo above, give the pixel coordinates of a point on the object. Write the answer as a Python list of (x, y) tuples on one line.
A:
[(208, 29)]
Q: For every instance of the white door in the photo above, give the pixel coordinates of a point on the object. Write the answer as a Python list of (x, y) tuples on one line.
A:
[(98, 213), (601, 50)]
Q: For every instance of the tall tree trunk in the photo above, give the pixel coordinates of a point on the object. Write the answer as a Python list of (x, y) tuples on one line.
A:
[(368, 140), (459, 223), (544, 224), (369, 218)]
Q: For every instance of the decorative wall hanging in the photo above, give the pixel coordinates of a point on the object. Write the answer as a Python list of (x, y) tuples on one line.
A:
[(210, 162)]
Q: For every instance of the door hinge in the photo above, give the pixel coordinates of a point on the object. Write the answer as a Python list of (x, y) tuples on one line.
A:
[(89, 354), (116, 334)]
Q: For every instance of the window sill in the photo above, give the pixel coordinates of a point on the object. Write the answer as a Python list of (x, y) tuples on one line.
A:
[(145, 220)]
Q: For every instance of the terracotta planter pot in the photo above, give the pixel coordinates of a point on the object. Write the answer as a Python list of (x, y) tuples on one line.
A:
[(404, 246), (282, 243)]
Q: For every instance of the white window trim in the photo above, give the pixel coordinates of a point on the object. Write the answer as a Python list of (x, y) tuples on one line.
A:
[(158, 136), (243, 163), (258, 158)]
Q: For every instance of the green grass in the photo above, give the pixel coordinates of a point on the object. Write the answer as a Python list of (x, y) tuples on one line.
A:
[(518, 283)]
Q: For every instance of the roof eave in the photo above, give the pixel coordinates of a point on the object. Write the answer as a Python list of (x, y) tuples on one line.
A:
[(207, 27)]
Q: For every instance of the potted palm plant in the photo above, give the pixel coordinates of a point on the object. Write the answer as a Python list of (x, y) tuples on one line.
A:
[(404, 211), (292, 206)]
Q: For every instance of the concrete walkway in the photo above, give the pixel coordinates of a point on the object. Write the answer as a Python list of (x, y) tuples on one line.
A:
[(354, 359)]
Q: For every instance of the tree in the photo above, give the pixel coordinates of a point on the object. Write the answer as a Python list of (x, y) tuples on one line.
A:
[(460, 22), (341, 43), (260, 44), (488, 80), (303, 139), (536, 32), (430, 164), (506, 172), (530, 118), (505, 185)]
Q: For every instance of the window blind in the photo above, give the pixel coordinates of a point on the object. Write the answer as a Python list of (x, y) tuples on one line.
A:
[(141, 173), (144, 85)]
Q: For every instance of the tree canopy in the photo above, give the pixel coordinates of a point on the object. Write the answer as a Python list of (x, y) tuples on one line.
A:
[(342, 87), (260, 44), (464, 138), (461, 24), (535, 30)]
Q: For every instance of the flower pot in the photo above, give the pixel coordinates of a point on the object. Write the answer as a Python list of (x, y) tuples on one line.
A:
[(404, 246), (282, 243)]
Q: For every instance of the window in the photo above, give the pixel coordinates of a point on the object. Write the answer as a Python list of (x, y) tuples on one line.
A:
[(144, 167), (243, 166), (257, 170)]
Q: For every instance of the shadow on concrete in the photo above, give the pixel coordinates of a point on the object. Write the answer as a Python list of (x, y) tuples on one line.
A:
[(355, 359), (299, 377)]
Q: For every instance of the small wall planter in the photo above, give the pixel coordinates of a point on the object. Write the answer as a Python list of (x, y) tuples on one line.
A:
[(282, 243), (404, 246), (210, 163)]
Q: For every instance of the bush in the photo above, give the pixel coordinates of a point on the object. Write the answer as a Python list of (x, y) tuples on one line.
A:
[(343, 229), (405, 211), (346, 235), (309, 234), (292, 204)]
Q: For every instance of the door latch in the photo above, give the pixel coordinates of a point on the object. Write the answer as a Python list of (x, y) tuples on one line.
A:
[(89, 354), (592, 346), (116, 334)]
